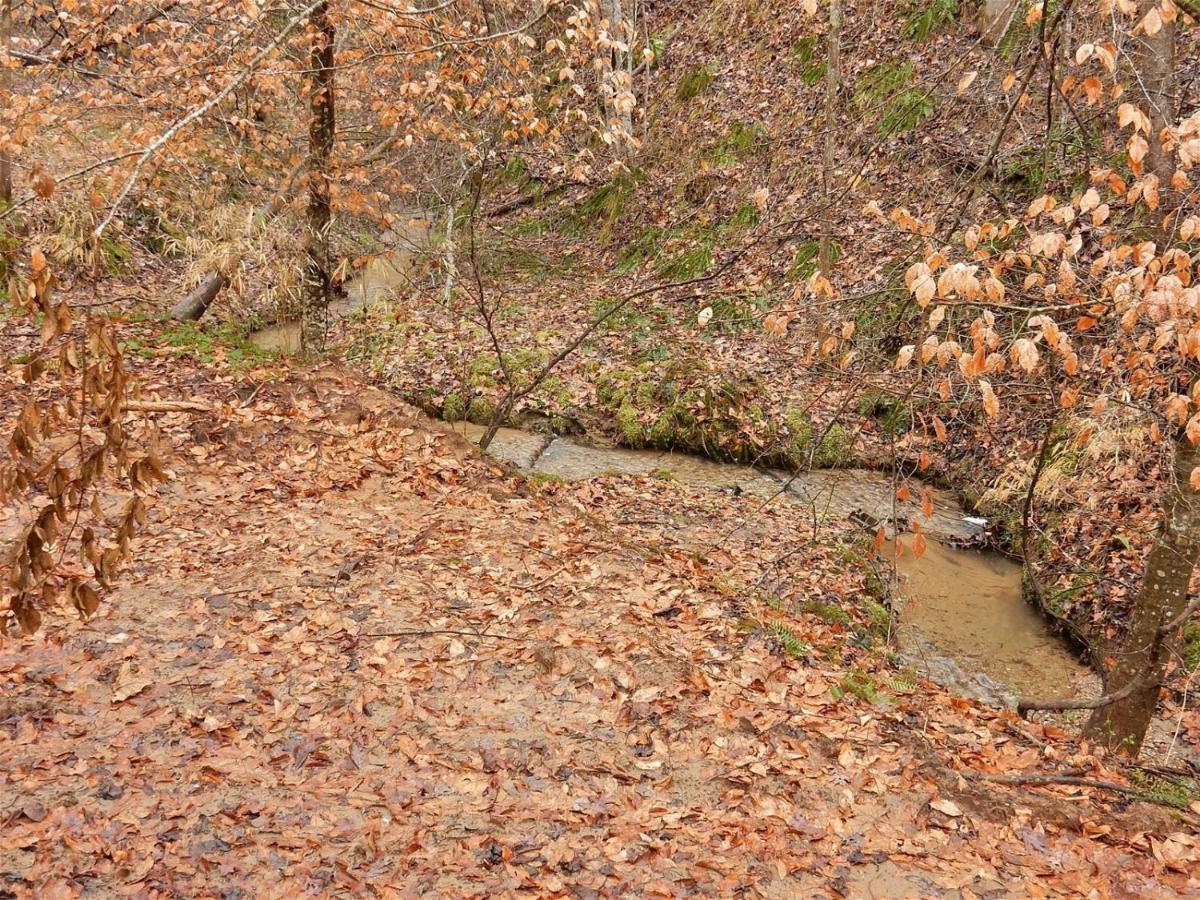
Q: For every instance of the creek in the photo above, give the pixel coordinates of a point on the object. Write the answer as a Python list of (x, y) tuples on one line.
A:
[(962, 619)]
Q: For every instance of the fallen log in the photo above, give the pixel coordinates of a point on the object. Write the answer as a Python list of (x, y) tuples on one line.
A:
[(198, 300), (167, 406)]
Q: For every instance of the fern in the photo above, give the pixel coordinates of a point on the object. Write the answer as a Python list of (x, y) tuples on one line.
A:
[(741, 138), (905, 112), (886, 88), (694, 84), (687, 265), (809, 55), (923, 21), (787, 640)]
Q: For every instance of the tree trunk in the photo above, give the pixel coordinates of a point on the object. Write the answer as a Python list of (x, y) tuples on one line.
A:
[(489, 16), (833, 78), (6, 184), (617, 90), (318, 270), (1144, 650), (1154, 67), (198, 300)]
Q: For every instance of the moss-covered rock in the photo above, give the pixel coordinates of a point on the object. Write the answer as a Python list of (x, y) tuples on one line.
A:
[(480, 411), (629, 425), (454, 408)]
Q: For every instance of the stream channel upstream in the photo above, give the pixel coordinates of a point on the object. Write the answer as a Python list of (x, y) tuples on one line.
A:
[(962, 619)]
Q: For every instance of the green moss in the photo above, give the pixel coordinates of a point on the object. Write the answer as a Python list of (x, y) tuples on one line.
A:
[(658, 50), (645, 394), (832, 448), (483, 370), (877, 614), (515, 170), (694, 83), (480, 411), (830, 612), (1191, 646), (1177, 792), (454, 408), (205, 345), (611, 387), (664, 429), (629, 424)]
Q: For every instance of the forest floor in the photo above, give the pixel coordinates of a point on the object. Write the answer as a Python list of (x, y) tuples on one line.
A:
[(354, 656)]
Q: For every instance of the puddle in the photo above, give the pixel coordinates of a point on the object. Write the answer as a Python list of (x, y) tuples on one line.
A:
[(963, 621)]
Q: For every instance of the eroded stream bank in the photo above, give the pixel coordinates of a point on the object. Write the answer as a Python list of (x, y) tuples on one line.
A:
[(963, 621)]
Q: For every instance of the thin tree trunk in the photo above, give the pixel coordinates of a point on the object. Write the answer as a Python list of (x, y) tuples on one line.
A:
[(1145, 648), (6, 184), (833, 78), (489, 16), (322, 123), (618, 65), (451, 268)]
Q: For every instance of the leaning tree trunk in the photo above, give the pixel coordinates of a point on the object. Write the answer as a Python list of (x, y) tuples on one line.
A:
[(318, 274), (1144, 651)]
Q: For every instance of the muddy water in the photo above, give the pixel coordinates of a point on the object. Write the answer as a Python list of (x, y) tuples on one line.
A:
[(962, 622), (379, 278)]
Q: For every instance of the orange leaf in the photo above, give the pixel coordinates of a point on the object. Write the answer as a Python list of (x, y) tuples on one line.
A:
[(919, 545)]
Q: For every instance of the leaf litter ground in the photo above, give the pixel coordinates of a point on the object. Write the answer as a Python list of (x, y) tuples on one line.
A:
[(353, 657)]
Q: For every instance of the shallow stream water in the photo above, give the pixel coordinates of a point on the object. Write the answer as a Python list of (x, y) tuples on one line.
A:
[(963, 621), (962, 618)]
